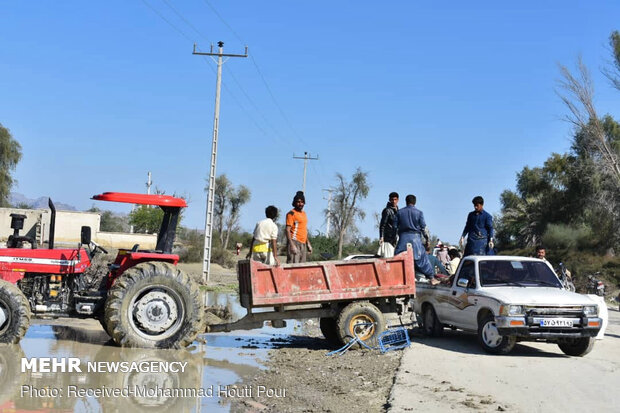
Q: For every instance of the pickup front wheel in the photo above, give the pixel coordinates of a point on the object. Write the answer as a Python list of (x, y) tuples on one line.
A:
[(430, 322), (490, 339), (577, 347)]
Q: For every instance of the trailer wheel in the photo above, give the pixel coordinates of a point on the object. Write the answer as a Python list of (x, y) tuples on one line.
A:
[(154, 305), (431, 326), (490, 339), (329, 328), (363, 320), (577, 347), (14, 313)]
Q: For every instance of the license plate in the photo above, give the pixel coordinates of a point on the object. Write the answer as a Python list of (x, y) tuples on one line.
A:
[(556, 322)]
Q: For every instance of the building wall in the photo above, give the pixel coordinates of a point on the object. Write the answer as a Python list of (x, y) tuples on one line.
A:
[(68, 229), (123, 240)]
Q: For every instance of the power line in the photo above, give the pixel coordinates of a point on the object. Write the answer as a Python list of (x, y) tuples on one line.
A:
[(262, 77), (185, 20), (181, 32)]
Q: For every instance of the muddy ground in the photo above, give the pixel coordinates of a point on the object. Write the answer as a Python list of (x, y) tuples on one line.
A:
[(299, 370), (305, 379)]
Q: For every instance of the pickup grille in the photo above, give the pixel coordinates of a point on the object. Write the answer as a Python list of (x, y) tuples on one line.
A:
[(535, 314), (555, 311)]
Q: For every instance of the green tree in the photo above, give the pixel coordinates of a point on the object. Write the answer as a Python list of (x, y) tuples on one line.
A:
[(111, 222), (227, 204), (222, 193), (146, 218), (613, 71), (344, 210), (238, 198), (10, 155)]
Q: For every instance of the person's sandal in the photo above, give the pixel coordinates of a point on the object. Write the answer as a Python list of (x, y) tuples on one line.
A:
[(435, 281)]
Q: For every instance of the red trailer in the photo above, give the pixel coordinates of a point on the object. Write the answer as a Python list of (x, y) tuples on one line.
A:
[(349, 297)]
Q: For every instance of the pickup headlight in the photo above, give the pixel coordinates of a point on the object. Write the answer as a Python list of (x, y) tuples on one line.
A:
[(511, 310), (590, 310)]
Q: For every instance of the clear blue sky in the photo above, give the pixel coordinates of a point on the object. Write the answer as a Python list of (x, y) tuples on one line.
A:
[(445, 102)]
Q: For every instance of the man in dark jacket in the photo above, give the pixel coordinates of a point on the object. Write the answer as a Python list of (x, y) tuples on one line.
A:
[(411, 229), (479, 230), (387, 227)]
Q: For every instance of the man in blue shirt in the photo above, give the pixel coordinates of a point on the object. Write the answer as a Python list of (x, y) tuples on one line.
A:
[(411, 227), (479, 230)]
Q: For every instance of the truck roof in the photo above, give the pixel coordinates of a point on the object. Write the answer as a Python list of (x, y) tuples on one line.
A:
[(143, 199)]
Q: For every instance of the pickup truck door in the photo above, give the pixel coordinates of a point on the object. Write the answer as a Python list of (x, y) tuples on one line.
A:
[(463, 300)]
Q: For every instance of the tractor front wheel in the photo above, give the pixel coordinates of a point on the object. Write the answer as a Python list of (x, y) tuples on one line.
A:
[(14, 313), (154, 305)]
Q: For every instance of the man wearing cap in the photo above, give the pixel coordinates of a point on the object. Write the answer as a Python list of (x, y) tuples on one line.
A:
[(297, 231), (479, 230)]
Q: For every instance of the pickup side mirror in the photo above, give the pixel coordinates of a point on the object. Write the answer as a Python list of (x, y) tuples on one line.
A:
[(85, 235), (462, 282)]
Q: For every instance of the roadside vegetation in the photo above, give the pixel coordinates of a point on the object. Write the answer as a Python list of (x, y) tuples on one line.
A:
[(571, 204)]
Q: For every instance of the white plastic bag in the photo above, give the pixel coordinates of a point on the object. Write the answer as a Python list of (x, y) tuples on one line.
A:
[(386, 250)]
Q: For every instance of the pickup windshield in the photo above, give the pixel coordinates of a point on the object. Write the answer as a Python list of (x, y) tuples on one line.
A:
[(516, 273)]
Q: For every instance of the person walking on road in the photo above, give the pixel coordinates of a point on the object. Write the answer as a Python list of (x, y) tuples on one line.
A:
[(411, 228), (479, 230), (387, 228), (264, 246), (297, 231)]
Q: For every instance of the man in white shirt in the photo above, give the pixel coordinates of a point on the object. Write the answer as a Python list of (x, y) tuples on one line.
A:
[(264, 246)]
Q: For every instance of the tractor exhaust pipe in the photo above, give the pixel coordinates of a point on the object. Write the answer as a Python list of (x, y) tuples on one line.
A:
[(52, 223)]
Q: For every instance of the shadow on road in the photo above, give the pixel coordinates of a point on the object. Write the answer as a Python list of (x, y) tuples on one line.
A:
[(467, 343)]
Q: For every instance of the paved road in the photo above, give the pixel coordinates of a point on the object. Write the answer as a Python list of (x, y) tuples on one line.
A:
[(453, 373)]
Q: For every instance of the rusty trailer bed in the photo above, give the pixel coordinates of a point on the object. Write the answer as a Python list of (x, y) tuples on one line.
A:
[(261, 285)]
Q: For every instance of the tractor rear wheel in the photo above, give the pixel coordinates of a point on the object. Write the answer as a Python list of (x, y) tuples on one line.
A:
[(154, 305), (363, 320), (14, 313)]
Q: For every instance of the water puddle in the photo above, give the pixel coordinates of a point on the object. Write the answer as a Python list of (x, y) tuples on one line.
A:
[(121, 379)]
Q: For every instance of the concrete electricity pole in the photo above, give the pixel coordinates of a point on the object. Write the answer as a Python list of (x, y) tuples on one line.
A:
[(206, 265), (306, 158), (148, 184), (329, 206)]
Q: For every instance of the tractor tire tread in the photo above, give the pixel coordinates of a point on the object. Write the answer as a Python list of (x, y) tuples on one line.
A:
[(20, 313), (119, 329)]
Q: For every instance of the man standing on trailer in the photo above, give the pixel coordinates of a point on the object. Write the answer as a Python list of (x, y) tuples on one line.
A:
[(297, 231), (264, 247), (411, 228), (387, 229), (479, 230)]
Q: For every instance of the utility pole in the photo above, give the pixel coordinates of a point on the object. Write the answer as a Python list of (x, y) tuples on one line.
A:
[(306, 158), (206, 265), (329, 209), (148, 184)]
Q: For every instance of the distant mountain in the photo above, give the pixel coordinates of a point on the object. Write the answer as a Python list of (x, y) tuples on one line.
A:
[(39, 203)]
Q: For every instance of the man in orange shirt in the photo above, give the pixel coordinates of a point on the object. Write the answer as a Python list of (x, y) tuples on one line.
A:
[(297, 231)]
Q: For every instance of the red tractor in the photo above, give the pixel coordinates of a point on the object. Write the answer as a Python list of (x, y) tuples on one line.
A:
[(141, 300)]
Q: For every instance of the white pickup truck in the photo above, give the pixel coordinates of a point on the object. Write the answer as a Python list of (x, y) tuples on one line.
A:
[(505, 299)]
